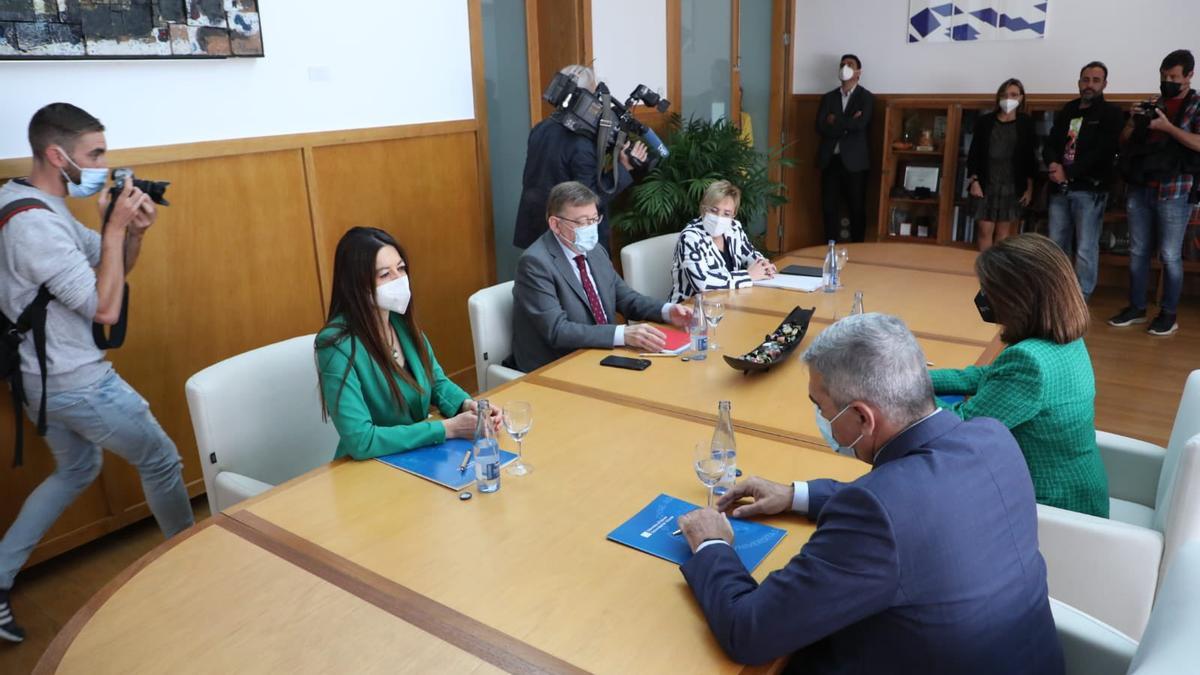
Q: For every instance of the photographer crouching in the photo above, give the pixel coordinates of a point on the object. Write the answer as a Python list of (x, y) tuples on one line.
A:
[(587, 127), (61, 284), (1160, 161)]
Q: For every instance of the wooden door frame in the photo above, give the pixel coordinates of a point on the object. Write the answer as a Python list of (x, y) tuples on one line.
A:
[(537, 80), (783, 18)]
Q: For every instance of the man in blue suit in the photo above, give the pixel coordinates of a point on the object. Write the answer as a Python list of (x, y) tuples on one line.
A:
[(927, 564)]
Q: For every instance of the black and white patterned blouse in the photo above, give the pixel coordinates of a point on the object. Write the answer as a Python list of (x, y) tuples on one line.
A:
[(699, 265)]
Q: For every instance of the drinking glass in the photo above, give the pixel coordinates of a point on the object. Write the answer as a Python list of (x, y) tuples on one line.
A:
[(843, 256), (710, 466), (518, 420), (714, 311)]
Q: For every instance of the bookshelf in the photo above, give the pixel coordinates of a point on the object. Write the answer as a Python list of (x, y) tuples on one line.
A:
[(943, 217)]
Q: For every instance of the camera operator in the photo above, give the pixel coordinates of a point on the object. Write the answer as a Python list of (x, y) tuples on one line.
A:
[(1160, 161), (558, 155), (43, 248)]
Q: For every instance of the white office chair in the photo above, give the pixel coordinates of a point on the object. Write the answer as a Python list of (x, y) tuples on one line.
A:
[(1168, 645), (647, 265), (258, 422), (1111, 568), (491, 334)]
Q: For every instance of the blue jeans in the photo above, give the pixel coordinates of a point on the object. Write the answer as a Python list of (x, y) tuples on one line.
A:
[(1167, 218), (111, 414), (1075, 221)]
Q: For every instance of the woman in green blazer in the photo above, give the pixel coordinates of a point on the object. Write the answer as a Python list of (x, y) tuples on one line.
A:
[(377, 371), (1041, 386)]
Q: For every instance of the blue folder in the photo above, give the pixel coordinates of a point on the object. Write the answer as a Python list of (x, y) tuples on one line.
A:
[(650, 532), (439, 463)]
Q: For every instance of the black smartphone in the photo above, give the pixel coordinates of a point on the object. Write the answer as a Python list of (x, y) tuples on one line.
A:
[(625, 362), (801, 271)]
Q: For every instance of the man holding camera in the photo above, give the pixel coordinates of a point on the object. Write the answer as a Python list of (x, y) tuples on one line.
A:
[(558, 155), (1079, 155), (43, 248), (1160, 161)]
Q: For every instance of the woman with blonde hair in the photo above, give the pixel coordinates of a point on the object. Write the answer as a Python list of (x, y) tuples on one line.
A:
[(714, 252), (1041, 386)]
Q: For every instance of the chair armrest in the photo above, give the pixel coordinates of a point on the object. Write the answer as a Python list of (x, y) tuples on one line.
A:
[(1133, 467), (498, 375), (1104, 568), (1091, 647), (232, 488)]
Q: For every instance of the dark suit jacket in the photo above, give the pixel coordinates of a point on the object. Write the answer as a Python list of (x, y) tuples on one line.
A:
[(551, 317), (1024, 159), (556, 155), (851, 132), (927, 564), (1099, 133)]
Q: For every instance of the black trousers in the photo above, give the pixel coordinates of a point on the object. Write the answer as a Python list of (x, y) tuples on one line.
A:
[(839, 185)]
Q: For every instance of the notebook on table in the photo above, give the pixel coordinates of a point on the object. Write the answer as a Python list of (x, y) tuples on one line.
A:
[(650, 532), (440, 463), (678, 341)]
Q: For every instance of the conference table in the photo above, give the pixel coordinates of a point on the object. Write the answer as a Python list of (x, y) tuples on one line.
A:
[(360, 567)]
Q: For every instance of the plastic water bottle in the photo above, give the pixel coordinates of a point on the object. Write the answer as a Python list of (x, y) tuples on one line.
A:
[(724, 442), (487, 451), (830, 277), (698, 331), (858, 303)]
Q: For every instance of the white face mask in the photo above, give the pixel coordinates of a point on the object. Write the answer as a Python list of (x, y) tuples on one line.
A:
[(717, 226), (1009, 104), (826, 427), (846, 73), (394, 295), (90, 182), (585, 238)]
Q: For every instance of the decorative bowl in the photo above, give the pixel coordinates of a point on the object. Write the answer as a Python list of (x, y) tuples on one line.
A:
[(776, 346)]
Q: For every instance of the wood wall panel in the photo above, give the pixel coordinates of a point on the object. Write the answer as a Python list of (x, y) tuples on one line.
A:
[(233, 264), (423, 191)]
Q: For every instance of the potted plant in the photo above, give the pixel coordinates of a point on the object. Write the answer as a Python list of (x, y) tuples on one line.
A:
[(701, 152)]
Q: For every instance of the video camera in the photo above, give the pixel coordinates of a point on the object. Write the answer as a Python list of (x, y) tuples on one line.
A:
[(599, 116)]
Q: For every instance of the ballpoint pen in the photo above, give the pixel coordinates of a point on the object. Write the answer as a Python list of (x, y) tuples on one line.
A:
[(462, 467)]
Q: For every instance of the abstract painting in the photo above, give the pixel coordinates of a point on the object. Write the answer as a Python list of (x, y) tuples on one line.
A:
[(137, 29), (976, 20)]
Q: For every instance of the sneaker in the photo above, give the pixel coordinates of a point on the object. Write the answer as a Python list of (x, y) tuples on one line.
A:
[(1163, 324), (9, 630), (1128, 317)]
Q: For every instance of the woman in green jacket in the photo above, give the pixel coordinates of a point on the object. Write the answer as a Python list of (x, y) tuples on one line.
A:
[(377, 371), (1041, 386)]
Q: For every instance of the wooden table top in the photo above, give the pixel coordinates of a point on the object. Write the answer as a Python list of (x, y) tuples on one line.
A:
[(930, 258), (360, 567), (212, 602), (903, 292), (532, 560), (775, 402)]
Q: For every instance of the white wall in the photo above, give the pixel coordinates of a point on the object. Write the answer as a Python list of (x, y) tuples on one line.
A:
[(408, 62), (629, 39), (1130, 36)]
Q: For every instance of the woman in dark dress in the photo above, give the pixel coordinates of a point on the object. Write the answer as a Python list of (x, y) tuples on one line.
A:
[(1001, 165)]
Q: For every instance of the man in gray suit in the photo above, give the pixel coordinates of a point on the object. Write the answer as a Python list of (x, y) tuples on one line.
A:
[(567, 294)]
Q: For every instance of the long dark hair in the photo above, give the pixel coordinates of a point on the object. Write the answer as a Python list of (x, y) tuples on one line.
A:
[(353, 314)]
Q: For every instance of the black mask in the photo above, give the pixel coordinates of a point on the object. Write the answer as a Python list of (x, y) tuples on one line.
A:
[(984, 307), (1170, 89)]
